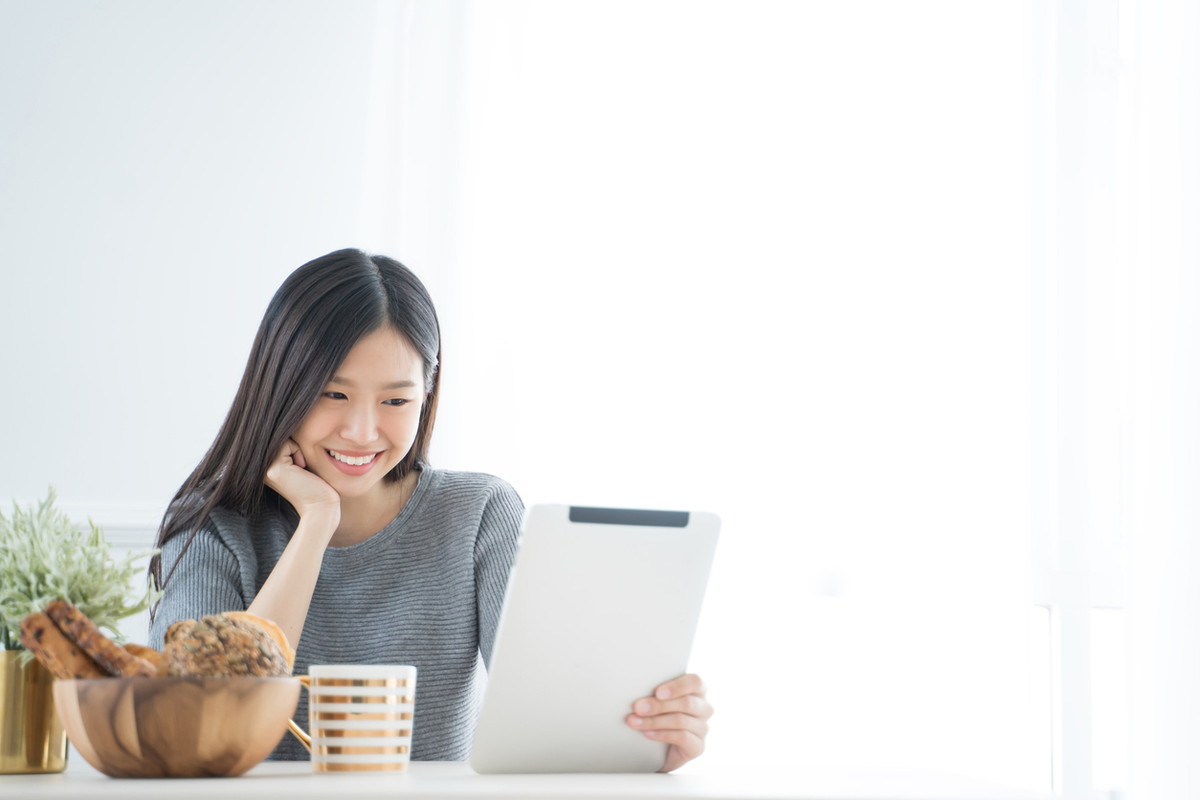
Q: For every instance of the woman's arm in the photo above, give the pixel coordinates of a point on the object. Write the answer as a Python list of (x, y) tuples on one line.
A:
[(285, 595), (216, 575), (495, 552)]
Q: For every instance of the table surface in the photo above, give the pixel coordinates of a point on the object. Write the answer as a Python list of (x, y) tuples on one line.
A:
[(449, 780)]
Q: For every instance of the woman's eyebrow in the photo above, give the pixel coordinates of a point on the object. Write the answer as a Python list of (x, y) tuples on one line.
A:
[(395, 385)]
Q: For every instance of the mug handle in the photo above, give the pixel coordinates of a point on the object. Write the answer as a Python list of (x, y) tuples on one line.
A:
[(296, 730)]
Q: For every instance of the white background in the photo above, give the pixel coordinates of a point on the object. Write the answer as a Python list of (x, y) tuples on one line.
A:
[(892, 288)]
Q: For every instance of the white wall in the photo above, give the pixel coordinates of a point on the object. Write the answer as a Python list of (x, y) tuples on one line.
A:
[(1164, 245), (164, 166), (771, 259)]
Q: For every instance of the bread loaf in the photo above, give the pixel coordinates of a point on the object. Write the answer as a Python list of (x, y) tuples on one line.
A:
[(112, 658), (57, 653)]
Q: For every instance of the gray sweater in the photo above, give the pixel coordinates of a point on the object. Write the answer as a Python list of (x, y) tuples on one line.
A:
[(426, 590)]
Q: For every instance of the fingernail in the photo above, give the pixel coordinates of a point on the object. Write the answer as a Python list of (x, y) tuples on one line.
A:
[(663, 693), (642, 707), (637, 722), (651, 734)]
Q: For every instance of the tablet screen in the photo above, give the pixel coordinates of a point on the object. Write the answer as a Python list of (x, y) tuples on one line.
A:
[(601, 607)]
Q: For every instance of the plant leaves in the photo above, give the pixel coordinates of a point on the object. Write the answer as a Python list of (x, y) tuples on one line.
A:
[(45, 556)]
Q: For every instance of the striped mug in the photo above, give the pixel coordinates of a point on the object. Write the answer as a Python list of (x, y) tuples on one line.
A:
[(360, 716)]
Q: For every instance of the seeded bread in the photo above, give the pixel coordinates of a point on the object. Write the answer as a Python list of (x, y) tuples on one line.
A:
[(272, 630), (221, 644)]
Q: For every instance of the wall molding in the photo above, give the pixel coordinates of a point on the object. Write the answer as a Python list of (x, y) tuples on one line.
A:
[(128, 527), (130, 537)]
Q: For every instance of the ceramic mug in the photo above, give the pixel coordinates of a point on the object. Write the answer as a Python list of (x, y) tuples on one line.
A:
[(360, 716)]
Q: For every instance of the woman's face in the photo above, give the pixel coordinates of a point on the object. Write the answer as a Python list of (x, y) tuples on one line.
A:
[(366, 419)]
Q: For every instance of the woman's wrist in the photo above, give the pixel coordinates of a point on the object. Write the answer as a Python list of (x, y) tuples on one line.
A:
[(320, 521)]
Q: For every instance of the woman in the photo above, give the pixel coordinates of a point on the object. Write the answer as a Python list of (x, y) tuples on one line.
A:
[(316, 508)]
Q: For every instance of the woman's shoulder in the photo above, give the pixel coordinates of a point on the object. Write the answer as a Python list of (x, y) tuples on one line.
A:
[(237, 531), (268, 516), (478, 495), (452, 481)]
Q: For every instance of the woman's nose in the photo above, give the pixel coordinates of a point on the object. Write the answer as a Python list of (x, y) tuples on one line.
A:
[(359, 425)]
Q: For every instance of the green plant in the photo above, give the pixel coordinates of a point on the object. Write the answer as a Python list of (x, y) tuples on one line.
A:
[(45, 556)]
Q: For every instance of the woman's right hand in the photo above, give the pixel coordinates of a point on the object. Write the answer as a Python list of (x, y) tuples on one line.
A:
[(306, 491), (285, 596)]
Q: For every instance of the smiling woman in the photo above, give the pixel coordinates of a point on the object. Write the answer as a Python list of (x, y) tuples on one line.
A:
[(318, 329), (316, 508)]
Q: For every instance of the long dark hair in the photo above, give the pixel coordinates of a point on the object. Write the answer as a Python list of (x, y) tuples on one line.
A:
[(319, 313)]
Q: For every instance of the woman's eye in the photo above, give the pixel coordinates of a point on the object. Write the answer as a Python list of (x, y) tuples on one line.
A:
[(395, 401), (334, 395)]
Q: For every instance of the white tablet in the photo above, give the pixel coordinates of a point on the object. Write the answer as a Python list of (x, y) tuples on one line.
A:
[(601, 607)]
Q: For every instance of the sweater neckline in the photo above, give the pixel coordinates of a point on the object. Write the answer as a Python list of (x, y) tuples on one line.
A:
[(388, 532)]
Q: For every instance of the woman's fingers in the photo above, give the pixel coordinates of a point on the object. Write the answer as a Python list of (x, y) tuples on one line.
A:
[(683, 685), (303, 489), (283, 459), (676, 714), (664, 723), (693, 704)]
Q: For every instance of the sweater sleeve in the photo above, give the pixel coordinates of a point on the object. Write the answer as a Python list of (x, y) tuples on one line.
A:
[(495, 552), (206, 581)]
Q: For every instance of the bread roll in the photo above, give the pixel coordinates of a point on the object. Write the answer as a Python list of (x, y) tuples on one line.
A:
[(223, 644)]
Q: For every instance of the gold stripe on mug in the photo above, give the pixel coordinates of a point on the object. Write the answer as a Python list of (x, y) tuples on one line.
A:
[(347, 715), (398, 766), (387, 699), (391, 683), (348, 750), (361, 691), (347, 733), (319, 725)]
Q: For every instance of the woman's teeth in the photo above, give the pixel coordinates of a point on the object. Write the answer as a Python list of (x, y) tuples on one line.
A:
[(354, 462)]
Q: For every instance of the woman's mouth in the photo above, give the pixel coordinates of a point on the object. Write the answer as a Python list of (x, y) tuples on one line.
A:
[(352, 463)]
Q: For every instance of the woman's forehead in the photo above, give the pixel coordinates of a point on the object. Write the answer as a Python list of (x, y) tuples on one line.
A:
[(384, 357)]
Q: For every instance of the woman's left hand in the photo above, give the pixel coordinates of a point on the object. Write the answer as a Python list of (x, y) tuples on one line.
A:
[(678, 715)]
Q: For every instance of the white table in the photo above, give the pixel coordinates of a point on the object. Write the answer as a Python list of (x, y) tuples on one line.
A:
[(454, 780)]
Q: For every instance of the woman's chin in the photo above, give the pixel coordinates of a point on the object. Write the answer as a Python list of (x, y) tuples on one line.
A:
[(359, 486)]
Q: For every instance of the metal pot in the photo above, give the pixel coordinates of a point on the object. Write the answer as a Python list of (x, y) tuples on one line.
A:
[(32, 738)]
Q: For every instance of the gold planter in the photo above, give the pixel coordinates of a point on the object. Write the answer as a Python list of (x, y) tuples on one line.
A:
[(32, 738)]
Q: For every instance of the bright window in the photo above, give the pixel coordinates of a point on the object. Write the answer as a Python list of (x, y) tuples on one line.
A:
[(772, 260)]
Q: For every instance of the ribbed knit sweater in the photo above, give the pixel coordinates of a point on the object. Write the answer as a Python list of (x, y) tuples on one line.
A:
[(426, 590)]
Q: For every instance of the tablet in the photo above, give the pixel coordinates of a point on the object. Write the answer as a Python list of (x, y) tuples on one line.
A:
[(601, 607)]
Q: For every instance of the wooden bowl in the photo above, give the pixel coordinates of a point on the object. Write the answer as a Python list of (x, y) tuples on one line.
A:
[(175, 727)]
